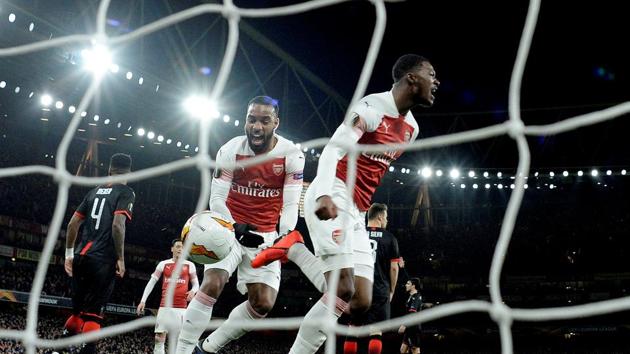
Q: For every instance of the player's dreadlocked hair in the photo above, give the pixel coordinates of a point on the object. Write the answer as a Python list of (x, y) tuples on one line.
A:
[(266, 101), (120, 163), (405, 64)]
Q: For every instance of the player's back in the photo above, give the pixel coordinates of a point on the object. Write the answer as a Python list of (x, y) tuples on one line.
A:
[(98, 209), (385, 246)]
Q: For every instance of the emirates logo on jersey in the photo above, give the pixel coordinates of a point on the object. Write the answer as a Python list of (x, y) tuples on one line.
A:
[(337, 236), (278, 169)]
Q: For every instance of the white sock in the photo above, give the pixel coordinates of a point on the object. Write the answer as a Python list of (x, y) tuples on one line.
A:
[(309, 338), (310, 265), (196, 320), (224, 335), (159, 348)]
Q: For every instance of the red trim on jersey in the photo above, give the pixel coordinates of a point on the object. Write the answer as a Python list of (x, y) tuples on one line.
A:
[(123, 212), (86, 248), (395, 260), (79, 215), (413, 310)]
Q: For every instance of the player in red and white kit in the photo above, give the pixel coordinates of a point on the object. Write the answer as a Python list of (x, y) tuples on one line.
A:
[(181, 296), (264, 195), (337, 224)]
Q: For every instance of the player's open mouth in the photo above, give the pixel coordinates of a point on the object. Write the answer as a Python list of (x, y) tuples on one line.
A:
[(258, 140)]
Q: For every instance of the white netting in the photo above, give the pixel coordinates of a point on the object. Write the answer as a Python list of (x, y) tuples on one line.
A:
[(514, 127)]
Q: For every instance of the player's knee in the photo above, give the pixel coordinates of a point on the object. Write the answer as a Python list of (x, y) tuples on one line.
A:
[(213, 283), (360, 304), (345, 289), (160, 337), (262, 305)]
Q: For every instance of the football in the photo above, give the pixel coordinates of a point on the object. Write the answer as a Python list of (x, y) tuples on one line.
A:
[(212, 237)]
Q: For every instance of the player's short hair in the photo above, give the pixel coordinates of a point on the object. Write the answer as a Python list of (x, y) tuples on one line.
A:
[(266, 101), (120, 162), (375, 210), (175, 240), (405, 64), (415, 282)]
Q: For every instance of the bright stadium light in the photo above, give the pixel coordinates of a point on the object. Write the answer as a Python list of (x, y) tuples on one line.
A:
[(187, 146), (608, 172), (226, 118), (580, 173), (487, 185), (3, 84), (512, 186), (46, 100), (106, 121), (499, 174), (426, 172), (471, 174), (72, 109), (201, 107), (623, 172), (160, 138), (594, 172), (236, 123), (31, 27), (96, 117), (11, 17), (98, 59), (169, 141), (129, 75), (17, 89), (475, 186), (150, 135), (439, 173), (535, 174), (565, 173), (114, 68), (486, 174), (140, 132), (500, 186), (59, 105), (454, 173), (551, 174), (462, 186), (140, 80), (391, 168)]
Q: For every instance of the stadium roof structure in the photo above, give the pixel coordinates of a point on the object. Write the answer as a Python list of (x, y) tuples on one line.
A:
[(311, 63)]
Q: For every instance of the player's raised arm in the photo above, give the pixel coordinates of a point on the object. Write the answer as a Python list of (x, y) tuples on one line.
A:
[(292, 191), (221, 182)]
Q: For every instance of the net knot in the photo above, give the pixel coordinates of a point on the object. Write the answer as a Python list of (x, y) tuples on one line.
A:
[(230, 11), (500, 313), (204, 161), (516, 128)]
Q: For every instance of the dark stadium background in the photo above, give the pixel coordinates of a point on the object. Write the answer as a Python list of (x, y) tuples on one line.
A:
[(570, 245)]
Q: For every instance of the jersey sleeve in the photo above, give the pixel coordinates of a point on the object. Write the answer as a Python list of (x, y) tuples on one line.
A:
[(158, 270), (369, 116), (291, 192), (222, 180), (82, 209), (124, 205)]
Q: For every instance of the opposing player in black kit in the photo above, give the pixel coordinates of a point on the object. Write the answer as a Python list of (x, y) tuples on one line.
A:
[(100, 256), (386, 258), (411, 338)]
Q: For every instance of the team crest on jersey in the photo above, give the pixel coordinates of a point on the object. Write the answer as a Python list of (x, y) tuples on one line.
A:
[(337, 236), (407, 135), (278, 169)]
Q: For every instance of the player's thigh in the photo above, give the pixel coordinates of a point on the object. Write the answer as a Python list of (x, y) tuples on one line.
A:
[(268, 275), (169, 318), (363, 256), (379, 310), (228, 264), (100, 284)]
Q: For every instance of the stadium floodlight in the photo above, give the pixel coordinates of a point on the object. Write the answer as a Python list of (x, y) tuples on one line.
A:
[(12, 17), (179, 144), (475, 186), (187, 146), (160, 138), (140, 132), (226, 118), (150, 135), (623, 172), (140, 80), (512, 186), (96, 117), (114, 68), (462, 186), (31, 27), (106, 121), (454, 173), (197, 149), (594, 172), (439, 173), (565, 173), (426, 172), (3, 84), (391, 168), (552, 186), (129, 75), (201, 107), (608, 172), (551, 174), (525, 186), (305, 149), (500, 186), (471, 174), (46, 100), (17, 89), (486, 174), (98, 59), (169, 141), (535, 174), (580, 173), (59, 105), (236, 123), (487, 186), (499, 174), (72, 109), (83, 114)]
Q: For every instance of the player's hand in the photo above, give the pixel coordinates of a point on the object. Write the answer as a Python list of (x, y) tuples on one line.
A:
[(189, 295), (140, 309), (245, 237), (391, 296), (401, 330), (120, 268), (326, 208), (401, 263), (67, 265)]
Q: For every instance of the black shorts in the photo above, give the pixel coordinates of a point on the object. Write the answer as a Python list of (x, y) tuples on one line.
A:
[(92, 282), (379, 311), (412, 336)]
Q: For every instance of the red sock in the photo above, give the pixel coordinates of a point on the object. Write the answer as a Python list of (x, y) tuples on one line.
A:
[(350, 346), (375, 346), (74, 324)]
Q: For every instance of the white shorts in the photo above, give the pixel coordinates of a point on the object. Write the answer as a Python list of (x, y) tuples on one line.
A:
[(241, 257), (338, 246), (171, 315)]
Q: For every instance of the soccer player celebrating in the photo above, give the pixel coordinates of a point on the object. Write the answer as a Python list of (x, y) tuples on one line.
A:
[(100, 254), (382, 118), (180, 299), (411, 337), (262, 195), (386, 258)]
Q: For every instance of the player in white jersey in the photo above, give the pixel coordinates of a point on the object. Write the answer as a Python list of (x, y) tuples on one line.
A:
[(336, 223), (181, 296), (263, 196)]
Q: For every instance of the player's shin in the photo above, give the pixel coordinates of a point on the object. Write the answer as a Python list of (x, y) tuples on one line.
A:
[(310, 265), (227, 332), (196, 319)]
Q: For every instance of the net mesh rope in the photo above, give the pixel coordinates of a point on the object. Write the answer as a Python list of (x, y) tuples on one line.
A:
[(514, 127)]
